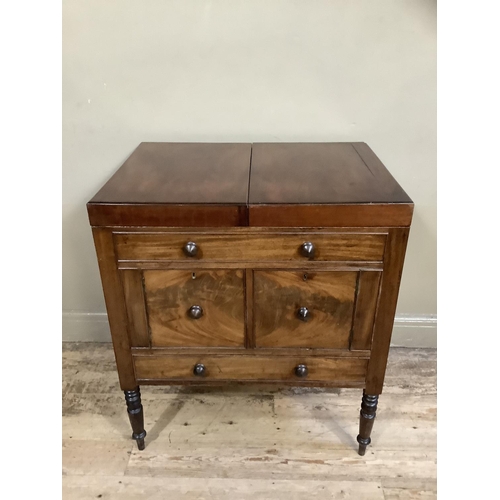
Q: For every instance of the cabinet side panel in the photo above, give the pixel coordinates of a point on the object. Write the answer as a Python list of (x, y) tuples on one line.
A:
[(391, 277), (115, 305), (366, 305), (136, 307), (249, 302)]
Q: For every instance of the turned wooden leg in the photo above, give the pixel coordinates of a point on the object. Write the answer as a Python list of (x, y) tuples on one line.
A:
[(136, 416), (367, 416)]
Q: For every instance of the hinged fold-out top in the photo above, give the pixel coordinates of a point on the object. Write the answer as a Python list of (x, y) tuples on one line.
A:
[(267, 184), (331, 184), (177, 184)]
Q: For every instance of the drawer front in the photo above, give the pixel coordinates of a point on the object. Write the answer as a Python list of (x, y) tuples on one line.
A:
[(250, 368), (203, 308), (325, 309), (251, 246)]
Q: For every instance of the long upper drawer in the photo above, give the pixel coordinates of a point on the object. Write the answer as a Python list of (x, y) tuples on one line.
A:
[(247, 247)]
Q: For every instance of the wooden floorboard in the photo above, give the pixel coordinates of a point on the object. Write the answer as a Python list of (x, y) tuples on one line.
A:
[(133, 488), (250, 442)]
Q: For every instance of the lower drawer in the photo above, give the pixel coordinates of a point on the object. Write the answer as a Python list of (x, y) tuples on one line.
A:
[(240, 368)]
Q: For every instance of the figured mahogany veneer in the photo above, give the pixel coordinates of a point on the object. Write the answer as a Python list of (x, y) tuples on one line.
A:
[(250, 246), (241, 263), (219, 295), (330, 299)]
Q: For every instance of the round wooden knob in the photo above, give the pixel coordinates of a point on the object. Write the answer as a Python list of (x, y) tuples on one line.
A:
[(301, 371), (199, 370), (303, 314), (307, 249), (190, 249), (195, 312)]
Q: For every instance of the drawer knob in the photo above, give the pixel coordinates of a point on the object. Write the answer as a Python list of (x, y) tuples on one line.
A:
[(307, 249), (301, 371), (195, 312), (191, 249), (199, 370), (303, 314)]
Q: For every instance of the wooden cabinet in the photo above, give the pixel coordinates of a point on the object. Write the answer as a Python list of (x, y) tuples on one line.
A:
[(241, 263)]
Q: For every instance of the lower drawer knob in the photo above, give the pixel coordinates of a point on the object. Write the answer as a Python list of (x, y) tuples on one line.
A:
[(303, 313), (195, 312), (301, 371), (199, 370)]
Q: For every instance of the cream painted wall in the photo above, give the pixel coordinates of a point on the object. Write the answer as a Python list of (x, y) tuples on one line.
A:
[(248, 70)]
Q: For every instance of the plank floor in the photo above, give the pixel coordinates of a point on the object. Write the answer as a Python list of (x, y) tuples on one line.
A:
[(253, 442)]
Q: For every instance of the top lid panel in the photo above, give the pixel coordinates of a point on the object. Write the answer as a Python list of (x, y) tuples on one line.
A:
[(320, 173), (181, 173)]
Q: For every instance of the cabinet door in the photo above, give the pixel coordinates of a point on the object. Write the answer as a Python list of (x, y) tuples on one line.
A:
[(187, 308), (195, 308), (315, 309)]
